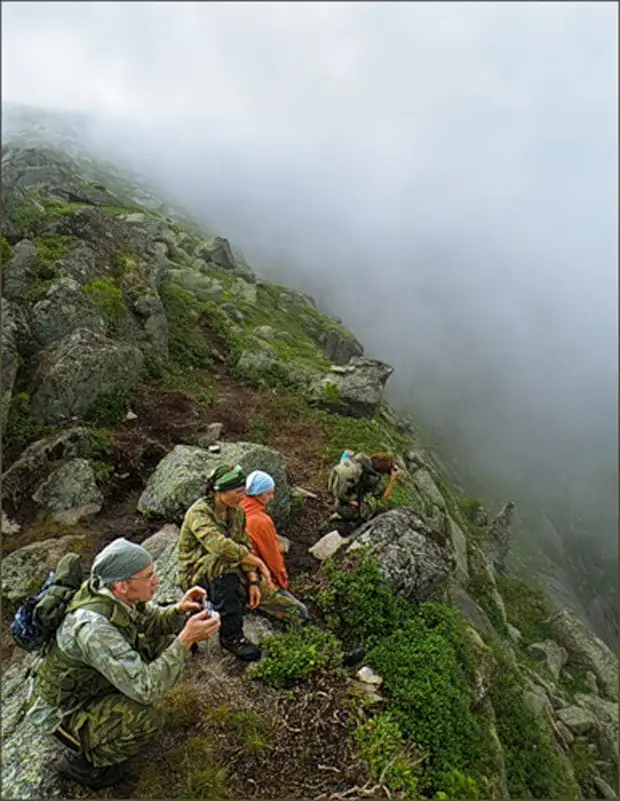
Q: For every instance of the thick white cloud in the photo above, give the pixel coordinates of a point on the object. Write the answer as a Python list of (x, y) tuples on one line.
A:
[(443, 174)]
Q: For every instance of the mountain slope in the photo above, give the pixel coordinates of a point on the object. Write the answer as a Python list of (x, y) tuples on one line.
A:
[(129, 333)]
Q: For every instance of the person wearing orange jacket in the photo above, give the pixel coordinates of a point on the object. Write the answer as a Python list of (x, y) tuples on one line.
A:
[(259, 492)]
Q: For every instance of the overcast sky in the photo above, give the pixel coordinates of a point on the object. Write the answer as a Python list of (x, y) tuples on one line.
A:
[(444, 176)]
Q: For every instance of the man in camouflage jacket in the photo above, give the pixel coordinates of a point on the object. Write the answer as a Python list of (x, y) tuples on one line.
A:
[(114, 655)]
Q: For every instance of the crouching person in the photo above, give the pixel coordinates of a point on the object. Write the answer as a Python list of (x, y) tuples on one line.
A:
[(215, 552), (114, 655)]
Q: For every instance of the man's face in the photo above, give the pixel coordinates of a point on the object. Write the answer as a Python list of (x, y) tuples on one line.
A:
[(142, 586), (233, 497)]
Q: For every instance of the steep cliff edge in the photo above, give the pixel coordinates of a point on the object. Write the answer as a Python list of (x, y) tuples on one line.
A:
[(133, 341)]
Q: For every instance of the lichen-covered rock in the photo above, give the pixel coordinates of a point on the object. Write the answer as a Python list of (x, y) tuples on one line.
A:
[(104, 232), (80, 370), (264, 332), (355, 389), (459, 546), (596, 718), (70, 492), (20, 274), (425, 485), (411, 561), (552, 654), (64, 308), (13, 337), (24, 570), (586, 650), (340, 349), (179, 478), (40, 458), (218, 252), (472, 612), (485, 665)]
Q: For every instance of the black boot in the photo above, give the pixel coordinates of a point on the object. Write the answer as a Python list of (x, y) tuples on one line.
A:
[(77, 767), (242, 648)]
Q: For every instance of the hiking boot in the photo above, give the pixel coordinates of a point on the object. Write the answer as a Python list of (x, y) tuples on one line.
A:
[(78, 768), (354, 657), (241, 648)]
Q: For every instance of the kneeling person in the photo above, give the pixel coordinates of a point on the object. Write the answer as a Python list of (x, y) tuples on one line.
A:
[(259, 492), (113, 656)]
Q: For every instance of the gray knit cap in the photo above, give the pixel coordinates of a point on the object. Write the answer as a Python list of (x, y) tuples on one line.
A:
[(119, 561)]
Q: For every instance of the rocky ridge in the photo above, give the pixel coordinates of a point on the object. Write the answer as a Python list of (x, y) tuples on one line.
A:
[(138, 351)]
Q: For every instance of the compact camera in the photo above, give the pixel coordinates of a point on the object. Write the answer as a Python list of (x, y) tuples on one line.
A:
[(206, 604)]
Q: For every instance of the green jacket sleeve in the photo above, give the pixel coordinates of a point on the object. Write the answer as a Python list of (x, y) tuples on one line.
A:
[(212, 540), (104, 648)]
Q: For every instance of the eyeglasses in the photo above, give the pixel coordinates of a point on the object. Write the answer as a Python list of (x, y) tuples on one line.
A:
[(150, 577)]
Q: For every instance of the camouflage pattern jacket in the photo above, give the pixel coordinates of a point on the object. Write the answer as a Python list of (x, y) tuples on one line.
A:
[(347, 481), (208, 547), (104, 646)]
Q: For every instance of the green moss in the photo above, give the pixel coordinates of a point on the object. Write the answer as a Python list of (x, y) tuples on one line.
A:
[(331, 392), (51, 247), (294, 656), (480, 590), (534, 768), (526, 608), (470, 507), (102, 471), (108, 299)]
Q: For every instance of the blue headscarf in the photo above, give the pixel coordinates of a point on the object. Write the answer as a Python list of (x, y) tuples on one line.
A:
[(258, 482)]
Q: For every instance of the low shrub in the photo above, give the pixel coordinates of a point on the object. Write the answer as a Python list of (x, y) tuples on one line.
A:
[(295, 655)]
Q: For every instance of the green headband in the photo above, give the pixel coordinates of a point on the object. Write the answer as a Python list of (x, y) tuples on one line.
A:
[(231, 479)]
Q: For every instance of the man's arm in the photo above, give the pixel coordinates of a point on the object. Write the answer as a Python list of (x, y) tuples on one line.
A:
[(104, 648), (212, 540), (161, 620)]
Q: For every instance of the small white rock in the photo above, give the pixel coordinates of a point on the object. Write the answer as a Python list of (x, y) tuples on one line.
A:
[(327, 545), (368, 676), (9, 526), (131, 415), (300, 492), (284, 543), (214, 449)]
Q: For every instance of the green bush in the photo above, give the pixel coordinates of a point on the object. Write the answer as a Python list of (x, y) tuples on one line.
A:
[(22, 426), (427, 670), (469, 508), (295, 655), (6, 251), (357, 603), (108, 299)]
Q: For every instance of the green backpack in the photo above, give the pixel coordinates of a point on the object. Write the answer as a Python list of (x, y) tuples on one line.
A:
[(37, 619)]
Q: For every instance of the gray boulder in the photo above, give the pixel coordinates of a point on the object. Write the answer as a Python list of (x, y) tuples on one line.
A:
[(264, 332), (64, 308), (586, 650), (201, 286), (355, 390), (157, 543), (596, 718), (472, 612), (152, 314), (81, 369), (424, 484), (70, 492), (218, 252), (40, 458), (340, 349), (24, 570), (411, 561), (552, 654), (20, 274), (179, 478), (233, 312)]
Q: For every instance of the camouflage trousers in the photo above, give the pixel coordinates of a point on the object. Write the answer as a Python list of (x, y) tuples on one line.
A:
[(111, 729)]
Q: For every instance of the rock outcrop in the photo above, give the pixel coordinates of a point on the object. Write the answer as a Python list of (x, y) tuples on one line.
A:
[(355, 389), (82, 369), (586, 650), (70, 492), (412, 563)]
